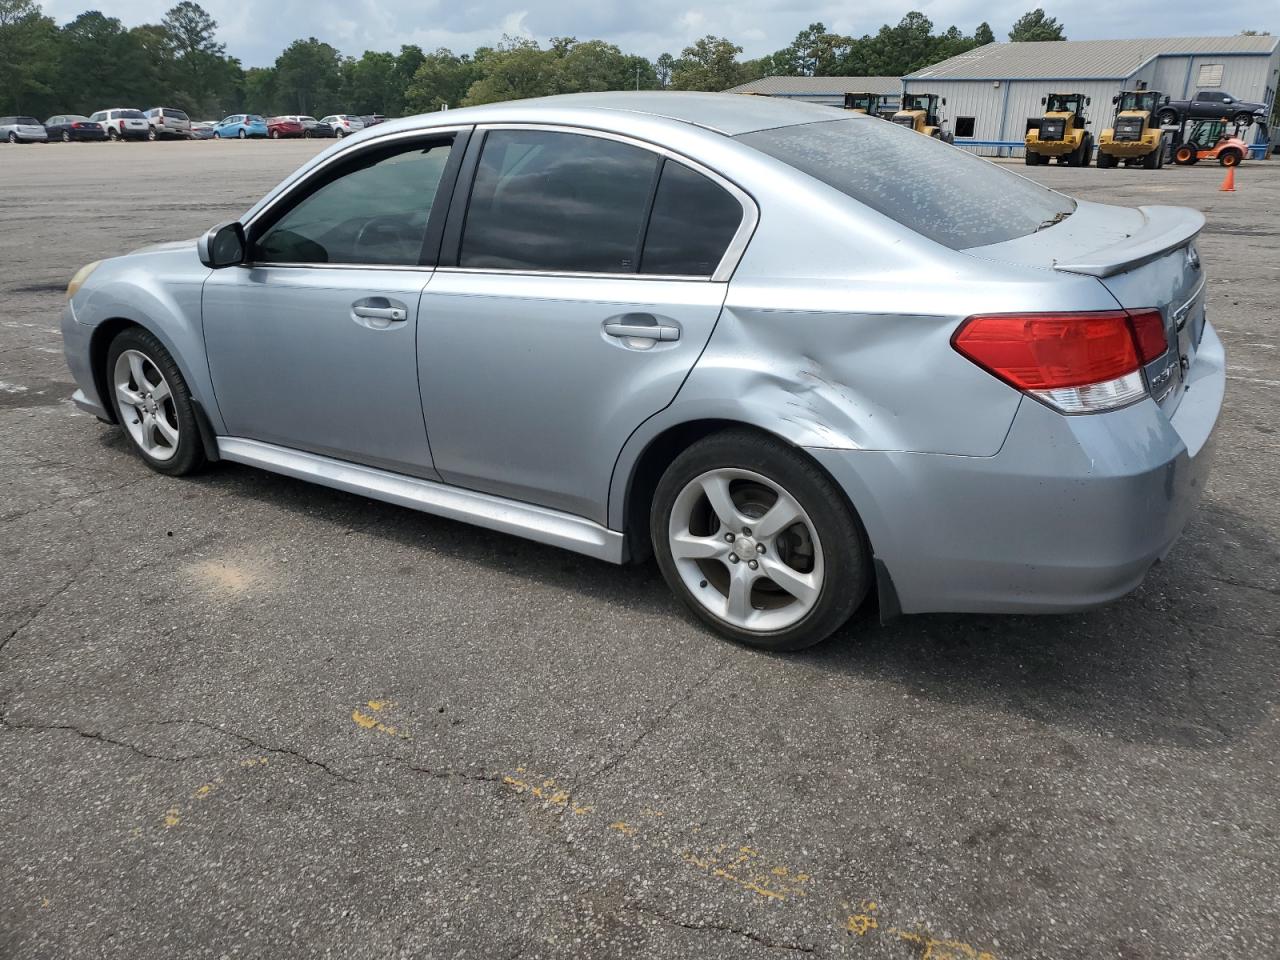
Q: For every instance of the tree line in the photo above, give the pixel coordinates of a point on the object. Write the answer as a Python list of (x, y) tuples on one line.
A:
[(95, 61)]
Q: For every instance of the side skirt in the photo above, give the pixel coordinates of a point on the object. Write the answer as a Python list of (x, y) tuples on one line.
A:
[(482, 509)]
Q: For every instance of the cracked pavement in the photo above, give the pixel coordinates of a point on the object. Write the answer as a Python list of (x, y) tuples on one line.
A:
[(243, 716)]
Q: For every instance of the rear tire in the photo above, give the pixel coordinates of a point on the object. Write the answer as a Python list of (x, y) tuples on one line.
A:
[(1185, 155), (152, 135), (788, 584), (1152, 160), (112, 134), (161, 427), (13, 137), (1086, 150), (1244, 117), (1230, 157), (1167, 118), (242, 135), (1105, 161), (66, 136)]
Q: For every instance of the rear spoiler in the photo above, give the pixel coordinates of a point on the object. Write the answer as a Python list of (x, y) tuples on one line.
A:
[(1163, 229)]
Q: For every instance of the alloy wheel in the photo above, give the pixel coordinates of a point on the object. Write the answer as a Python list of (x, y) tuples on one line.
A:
[(746, 550), (146, 405)]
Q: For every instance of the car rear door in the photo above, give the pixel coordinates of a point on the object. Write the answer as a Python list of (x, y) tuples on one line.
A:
[(311, 344), (581, 277)]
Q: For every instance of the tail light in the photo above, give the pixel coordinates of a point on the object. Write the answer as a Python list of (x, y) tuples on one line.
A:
[(1074, 362)]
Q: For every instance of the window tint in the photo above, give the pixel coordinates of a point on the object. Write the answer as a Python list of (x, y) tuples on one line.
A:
[(692, 223), (131, 114), (373, 213), (557, 201), (939, 191), (28, 122)]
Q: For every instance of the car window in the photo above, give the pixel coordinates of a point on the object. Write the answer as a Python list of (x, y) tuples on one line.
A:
[(373, 213), (692, 223), (132, 115), (939, 191), (557, 201)]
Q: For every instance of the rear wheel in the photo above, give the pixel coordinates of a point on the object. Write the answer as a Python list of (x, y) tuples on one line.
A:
[(1230, 157), (1167, 118), (1033, 159), (338, 133), (275, 134), (1086, 151), (152, 403), (1185, 155), (152, 135), (66, 136), (1152, 160), (13, 137), (242, 135), (1105, 161), (1243, 118), (112, 133), (758, 542)]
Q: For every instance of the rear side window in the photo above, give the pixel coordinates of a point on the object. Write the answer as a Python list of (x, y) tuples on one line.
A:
[(560, 202), (939, 191), (692, 224), (28, 122), (374, 212)]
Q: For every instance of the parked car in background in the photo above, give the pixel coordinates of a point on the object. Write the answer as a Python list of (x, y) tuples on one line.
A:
[(202, 129), (240, 126), (311, 127), (168, 122), (72, 126), (1212, 105), (373, 119), (676, 324), (279, 128), (22, 130), (122, 123), (343, 124)]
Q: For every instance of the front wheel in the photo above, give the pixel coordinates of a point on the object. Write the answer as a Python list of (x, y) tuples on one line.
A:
[(1185, 155), (153, 404), (758, 542), (1230, 157), (1244, 118), (242, 135), (1167, 118)]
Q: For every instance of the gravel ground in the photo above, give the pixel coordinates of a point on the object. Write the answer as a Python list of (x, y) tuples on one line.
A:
[(244, 716)]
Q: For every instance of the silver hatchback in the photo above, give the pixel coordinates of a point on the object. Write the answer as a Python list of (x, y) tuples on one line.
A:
[(796, 355)]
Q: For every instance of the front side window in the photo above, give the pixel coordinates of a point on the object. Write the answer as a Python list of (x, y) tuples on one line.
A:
[(562, 202), (939, 191), (692, 224), (374, 212)]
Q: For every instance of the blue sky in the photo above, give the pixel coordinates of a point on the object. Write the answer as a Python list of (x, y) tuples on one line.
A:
[(257, 30)]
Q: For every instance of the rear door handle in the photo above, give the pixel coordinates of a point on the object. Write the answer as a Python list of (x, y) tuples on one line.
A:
[(641, 326)]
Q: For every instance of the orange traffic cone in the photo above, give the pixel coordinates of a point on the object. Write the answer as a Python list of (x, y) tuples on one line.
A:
[(1229, 181)]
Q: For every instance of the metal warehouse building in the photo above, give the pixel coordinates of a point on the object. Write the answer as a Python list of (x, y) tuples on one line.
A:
[(828, 91), (993, 91)]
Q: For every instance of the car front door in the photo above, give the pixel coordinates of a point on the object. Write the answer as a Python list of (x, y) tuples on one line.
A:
[(311, 343), (568, 308)]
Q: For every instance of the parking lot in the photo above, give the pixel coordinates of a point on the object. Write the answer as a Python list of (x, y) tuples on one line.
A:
[(245, 716)]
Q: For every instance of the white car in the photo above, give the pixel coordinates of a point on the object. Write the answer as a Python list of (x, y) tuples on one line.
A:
[(343, 124), (123, 123), (22, 130), (168, 122)]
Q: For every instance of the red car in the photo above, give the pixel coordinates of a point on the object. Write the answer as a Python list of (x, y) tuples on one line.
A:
[(278, 127)]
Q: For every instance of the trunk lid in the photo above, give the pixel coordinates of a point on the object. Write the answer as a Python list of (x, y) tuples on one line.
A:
[(1146, 258)]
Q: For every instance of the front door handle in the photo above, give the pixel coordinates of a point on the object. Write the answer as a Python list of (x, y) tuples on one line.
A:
[(378, 313), (641, 326)]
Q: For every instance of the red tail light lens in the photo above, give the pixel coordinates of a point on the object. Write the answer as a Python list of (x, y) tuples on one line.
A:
[(1075, 362)]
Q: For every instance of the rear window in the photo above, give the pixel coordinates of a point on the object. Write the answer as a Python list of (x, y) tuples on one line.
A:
[(938, 191), (130, 114), (175, 114)]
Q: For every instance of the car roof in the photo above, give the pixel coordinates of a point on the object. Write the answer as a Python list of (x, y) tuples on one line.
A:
[(727, 113)]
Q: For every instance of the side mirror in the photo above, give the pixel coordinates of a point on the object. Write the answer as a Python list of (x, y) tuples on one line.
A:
[(1043, 101), (1165, 100), (223, 246), (1115, 99), (1088, 100), (944, 101)]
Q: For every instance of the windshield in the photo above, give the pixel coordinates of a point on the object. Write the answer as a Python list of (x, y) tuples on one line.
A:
[(254, 118), (1138, 100), (939, 191), (1060, 104)]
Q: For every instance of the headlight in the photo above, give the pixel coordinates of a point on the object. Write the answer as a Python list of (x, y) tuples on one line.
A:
[(81, 276)]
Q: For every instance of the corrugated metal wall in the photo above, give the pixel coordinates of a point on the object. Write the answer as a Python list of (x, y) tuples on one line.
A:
[(1001, 109)]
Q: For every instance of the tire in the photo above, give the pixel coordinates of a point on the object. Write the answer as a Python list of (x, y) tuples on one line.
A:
[(13, 137), (306, 134), (242, 135), (1185, 155), (1032, 159), (1086, 150), (1105, 161), (112, 134), (1167, 118), (152, 135), (1230, 157), (822, 553), (338, 134), (1152, 160), (66, 136), (185, 456), (217, 135), (275, 134), (1244, 117)]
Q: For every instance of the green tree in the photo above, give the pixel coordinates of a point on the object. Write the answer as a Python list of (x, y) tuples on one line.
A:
[(308, 79), (709, 64), (815, 52), (664, 66), (596, 65), (28, 57), (441, 80), (102, 65), (983, 35), (259, 92), (200, 67), (1036, 25), (371, 84), (516, 69)]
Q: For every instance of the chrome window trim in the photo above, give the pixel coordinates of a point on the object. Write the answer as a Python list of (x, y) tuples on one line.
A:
[(732, 253)]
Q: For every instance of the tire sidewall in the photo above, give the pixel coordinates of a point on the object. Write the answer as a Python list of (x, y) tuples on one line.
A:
[(190, 455), (846, 553)]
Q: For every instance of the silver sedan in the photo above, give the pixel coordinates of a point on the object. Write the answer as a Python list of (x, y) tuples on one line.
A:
[(798, 355)]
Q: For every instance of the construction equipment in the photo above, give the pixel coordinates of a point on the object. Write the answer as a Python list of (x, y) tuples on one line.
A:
[(920, 113), (1134, 138), (1062, 132), (872, 104), (1210, 140)]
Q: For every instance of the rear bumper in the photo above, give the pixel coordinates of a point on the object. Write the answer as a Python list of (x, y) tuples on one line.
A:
[(1070, 514)]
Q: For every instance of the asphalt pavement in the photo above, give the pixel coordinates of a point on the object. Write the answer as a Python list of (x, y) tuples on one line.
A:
[(242, 716)]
